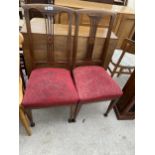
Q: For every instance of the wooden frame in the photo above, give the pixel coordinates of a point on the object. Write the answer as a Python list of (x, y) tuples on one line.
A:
[(127, 46), (95, 17), (49, 22)]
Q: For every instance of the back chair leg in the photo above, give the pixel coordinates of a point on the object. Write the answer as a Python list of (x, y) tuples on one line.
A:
[(29, 114), (112, 104)]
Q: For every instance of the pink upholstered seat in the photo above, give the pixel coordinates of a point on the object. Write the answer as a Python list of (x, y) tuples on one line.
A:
[(49, 87), (94, 83)]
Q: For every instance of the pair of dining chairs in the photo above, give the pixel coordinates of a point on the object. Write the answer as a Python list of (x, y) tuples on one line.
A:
[(78, 81)]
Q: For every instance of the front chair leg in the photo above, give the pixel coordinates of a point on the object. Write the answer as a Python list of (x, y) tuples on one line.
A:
[(72, 109), (74, 112), (29, 114), (112, 104)]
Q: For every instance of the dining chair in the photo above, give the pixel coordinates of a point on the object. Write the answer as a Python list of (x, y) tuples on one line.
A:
[(50, 82), (123, 59), (92, 81)]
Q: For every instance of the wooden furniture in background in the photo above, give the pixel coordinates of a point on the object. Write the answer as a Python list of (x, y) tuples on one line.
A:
[(39, 1), (92, 81), (124, 25), (22, 114), (101, 1), (122, 59), (49, 84), (125, 106), (23, 70)]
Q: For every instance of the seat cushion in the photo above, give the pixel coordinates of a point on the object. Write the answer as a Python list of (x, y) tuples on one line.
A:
[(127, 60), (94, 84), (49, 87)]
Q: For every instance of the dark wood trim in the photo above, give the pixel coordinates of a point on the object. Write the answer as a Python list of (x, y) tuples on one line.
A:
[(126, 102)]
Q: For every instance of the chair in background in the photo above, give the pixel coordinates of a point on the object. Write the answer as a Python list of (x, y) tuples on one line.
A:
[(22, 114), (49, 83), (23, 71), (123, 59), (92, 81)]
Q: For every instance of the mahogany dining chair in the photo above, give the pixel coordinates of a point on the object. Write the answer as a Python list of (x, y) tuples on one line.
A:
[(49, 84), (92, 81)]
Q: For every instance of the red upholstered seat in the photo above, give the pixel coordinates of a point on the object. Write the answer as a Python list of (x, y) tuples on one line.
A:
[(49, 87), (94, 83)]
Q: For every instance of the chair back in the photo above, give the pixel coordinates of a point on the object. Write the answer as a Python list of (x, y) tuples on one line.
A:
[(49, 13), (95, 17), (128, 46)]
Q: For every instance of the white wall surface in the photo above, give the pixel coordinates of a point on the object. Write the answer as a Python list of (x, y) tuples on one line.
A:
[(131, 4)]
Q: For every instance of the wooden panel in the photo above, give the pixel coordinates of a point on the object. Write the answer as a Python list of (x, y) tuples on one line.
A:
[(124, 23), (124, 27), (78, 4), (101, 1)]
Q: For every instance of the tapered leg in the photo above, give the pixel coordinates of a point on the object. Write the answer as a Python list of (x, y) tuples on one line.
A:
[(74, 112), (112, 104), (72, 109), (29, 114), (24, 121)]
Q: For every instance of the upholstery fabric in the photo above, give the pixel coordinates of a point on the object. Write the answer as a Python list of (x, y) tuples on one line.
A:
[(127, 60), (94, 84), (49, 87)]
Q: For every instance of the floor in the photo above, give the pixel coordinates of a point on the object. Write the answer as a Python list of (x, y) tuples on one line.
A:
[(92, 134)]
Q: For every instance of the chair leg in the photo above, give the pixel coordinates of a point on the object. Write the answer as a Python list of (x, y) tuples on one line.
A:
[(29, 114), (112, 104), (72, 109), (24, 121), (75, 112)]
